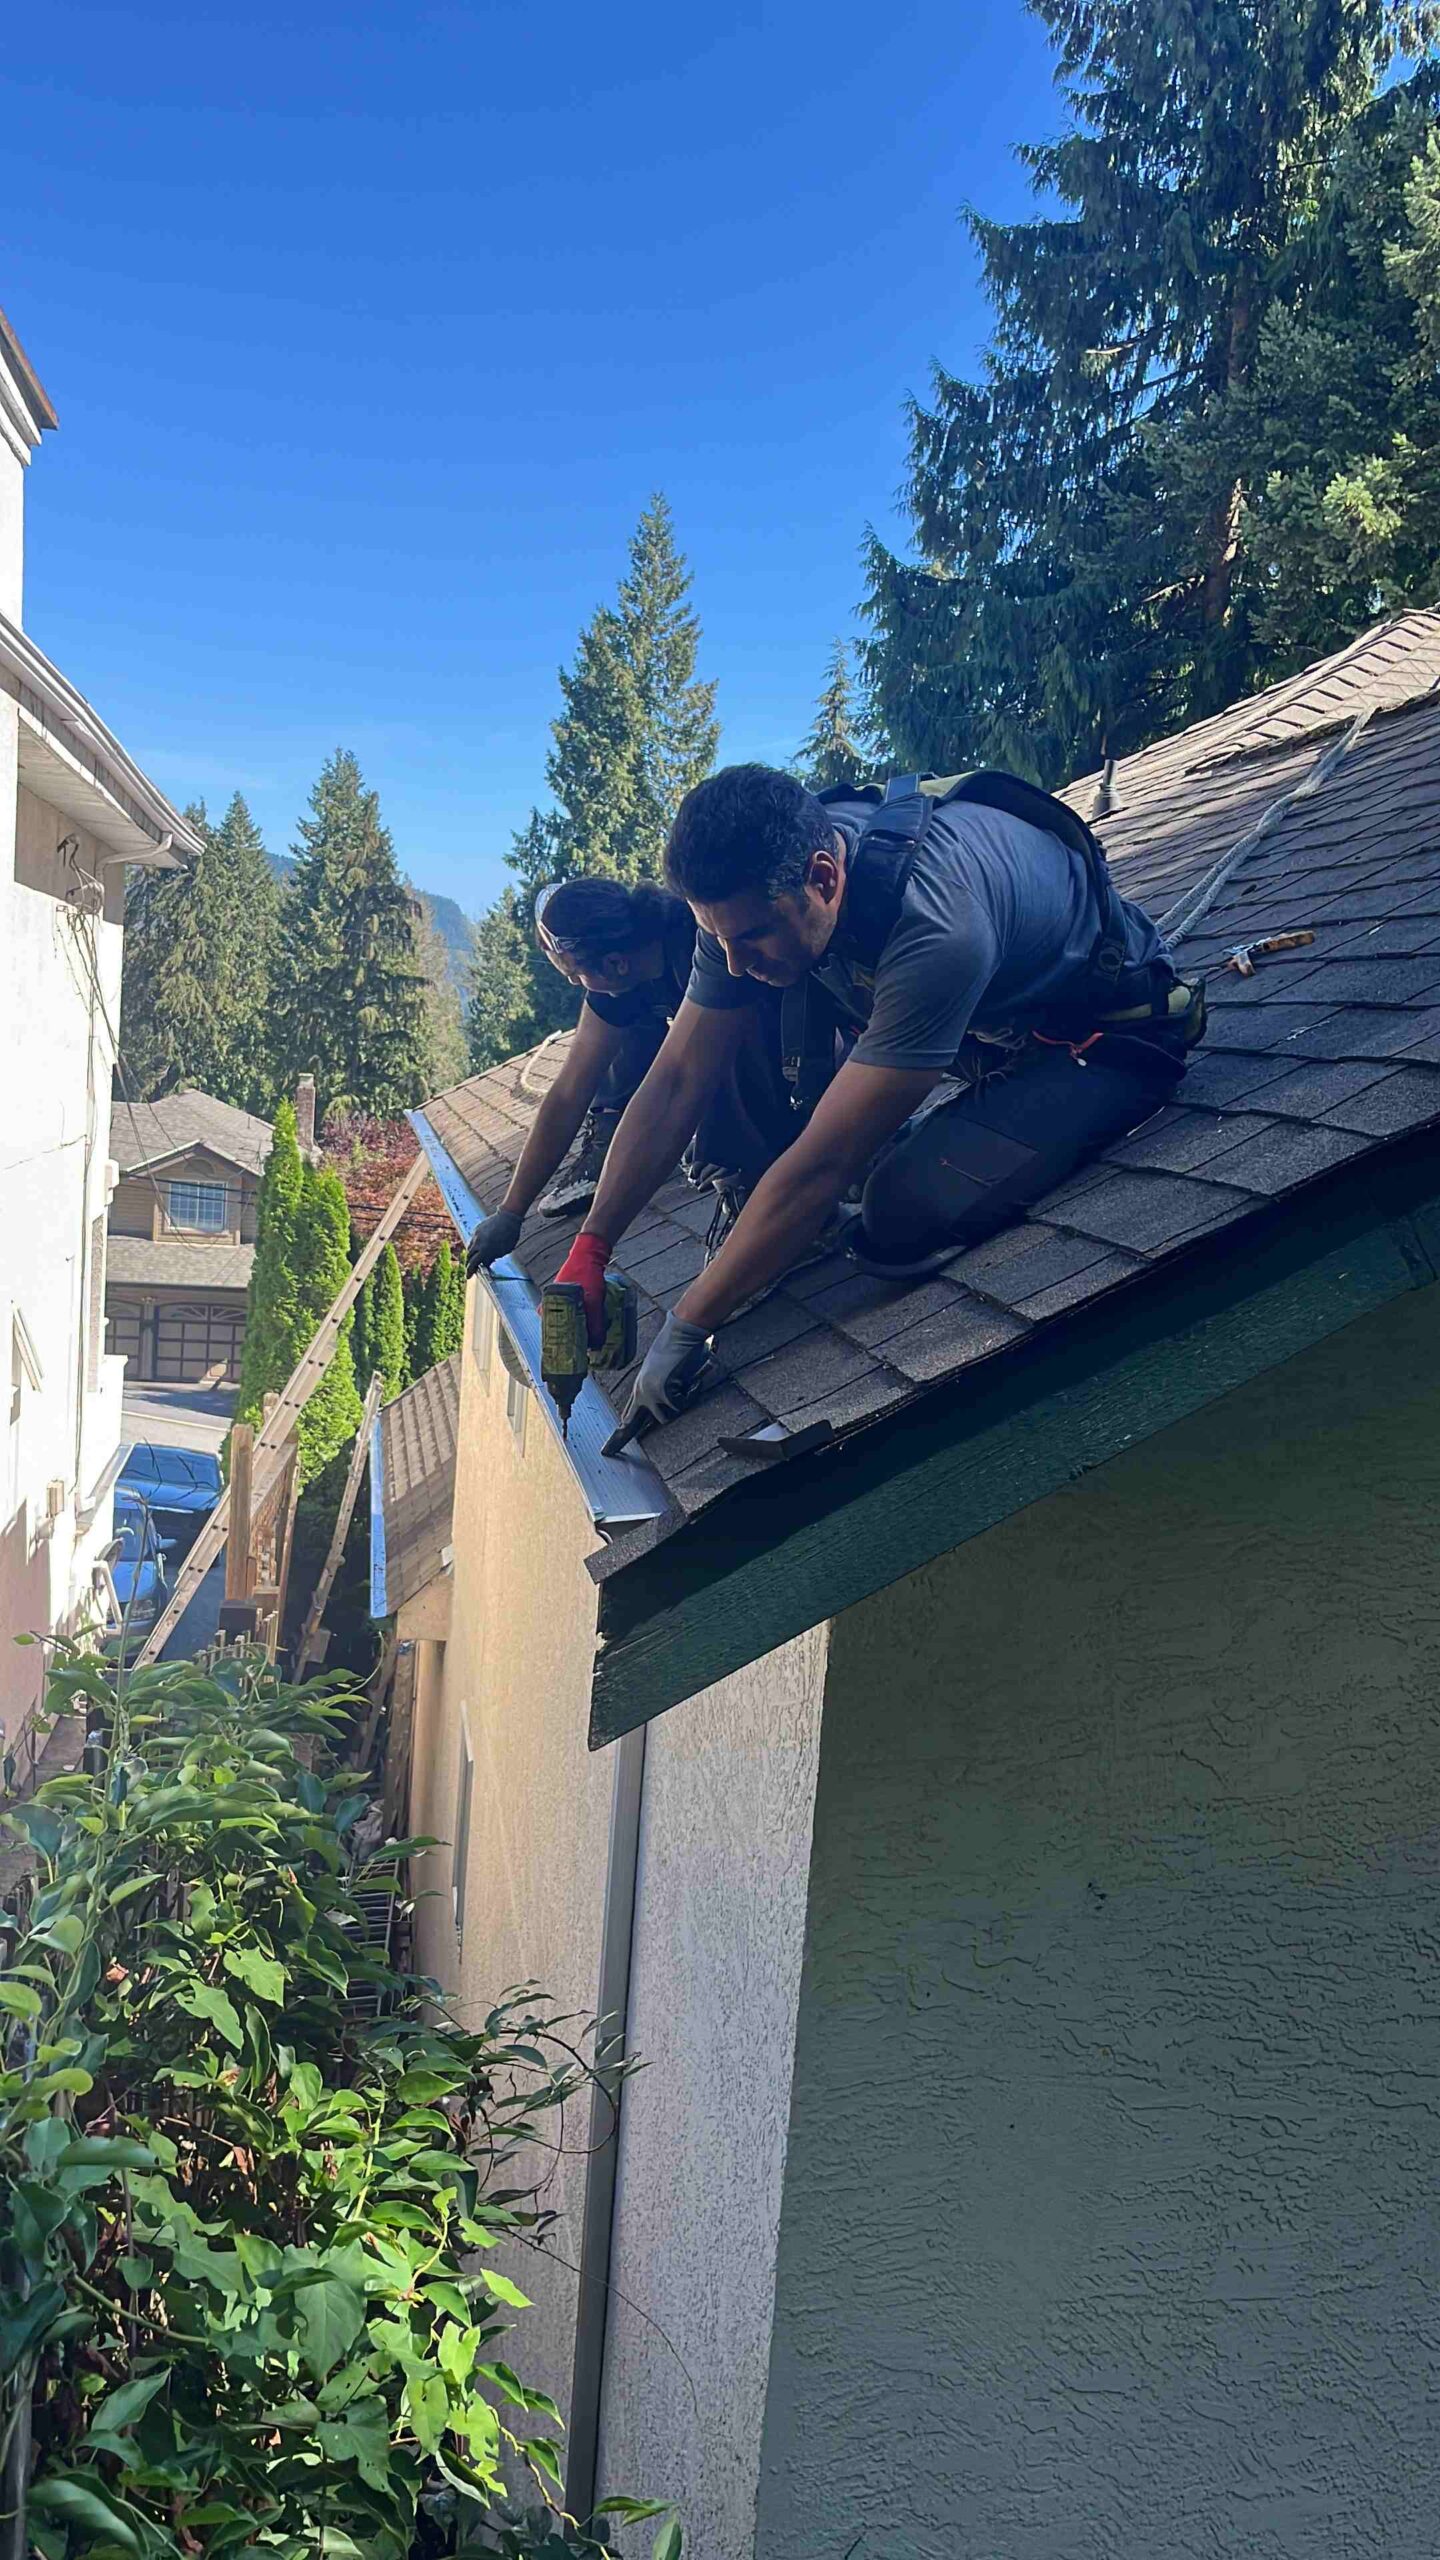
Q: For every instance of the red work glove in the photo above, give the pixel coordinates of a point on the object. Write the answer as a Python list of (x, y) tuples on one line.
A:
[(585, 1265)]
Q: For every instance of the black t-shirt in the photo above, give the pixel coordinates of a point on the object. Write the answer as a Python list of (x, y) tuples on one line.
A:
[(659, 999)]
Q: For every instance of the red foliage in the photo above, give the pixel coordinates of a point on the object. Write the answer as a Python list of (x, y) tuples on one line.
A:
[(372, 1158)]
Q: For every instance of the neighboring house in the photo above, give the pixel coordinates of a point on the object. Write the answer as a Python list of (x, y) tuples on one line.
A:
[(74, 811), (182, 1235), (412, 1500), (1018, 1860)]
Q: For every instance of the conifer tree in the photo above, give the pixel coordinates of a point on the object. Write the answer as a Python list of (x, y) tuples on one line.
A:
[(446, 1059), (636, 729), (350, 998), (1094, 522), (200, 950), (440, 1325), (272, 1299), (322, 1260), (834, 748), (385, 1336)]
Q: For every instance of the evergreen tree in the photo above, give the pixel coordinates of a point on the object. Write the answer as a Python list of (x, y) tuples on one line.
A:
[(834, 749), (636, 729), (332, 1416), (1097, 530), (272, 1299), (386, 1331), (446, 1056), (350, 997), (200, 948), (440, 1327)]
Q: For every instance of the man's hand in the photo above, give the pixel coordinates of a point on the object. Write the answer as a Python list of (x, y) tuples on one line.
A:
[(496, 1235), (584, 1265), (668, 1371)]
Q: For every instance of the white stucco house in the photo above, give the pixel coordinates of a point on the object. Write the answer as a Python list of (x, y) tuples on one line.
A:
[(983, 1753), (74, 812)]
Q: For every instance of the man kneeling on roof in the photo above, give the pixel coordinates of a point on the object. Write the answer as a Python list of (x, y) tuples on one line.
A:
[(966, 930)]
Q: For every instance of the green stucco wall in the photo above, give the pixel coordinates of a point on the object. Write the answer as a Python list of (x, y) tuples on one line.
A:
[(1110, 2216)]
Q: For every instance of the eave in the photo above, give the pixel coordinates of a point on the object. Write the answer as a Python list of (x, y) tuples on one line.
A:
[(799, 1543), (69, 759)]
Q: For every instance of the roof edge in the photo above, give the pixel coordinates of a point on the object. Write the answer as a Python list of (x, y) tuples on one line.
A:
[(794, 1545), (27, 383)]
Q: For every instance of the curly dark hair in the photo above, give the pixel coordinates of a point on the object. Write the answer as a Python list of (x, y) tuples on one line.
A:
[(596, 916), (748, 827)]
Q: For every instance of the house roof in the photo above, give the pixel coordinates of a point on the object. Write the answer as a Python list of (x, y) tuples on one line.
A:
[(135, 1262), (413, 1498), (70, 760), (146, 1134), (29, 388), (1321, 1059)]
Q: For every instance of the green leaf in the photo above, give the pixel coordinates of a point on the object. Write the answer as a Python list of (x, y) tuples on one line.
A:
[(105, 2151), (428, 2400), (19, 1999), (121, 2408), (132, 1885), (504, 2291), (207, 2000), (329, 2315), (669, 2541), (66, 1931), (33, 2319), (306, 2084), (62, 2494), (259, 1973), (447, 2297)]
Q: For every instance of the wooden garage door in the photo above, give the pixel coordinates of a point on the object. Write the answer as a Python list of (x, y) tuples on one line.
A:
[(192, 1341), (125, 1336)]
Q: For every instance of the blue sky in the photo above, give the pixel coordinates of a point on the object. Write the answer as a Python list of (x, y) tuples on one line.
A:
[(371, 330)]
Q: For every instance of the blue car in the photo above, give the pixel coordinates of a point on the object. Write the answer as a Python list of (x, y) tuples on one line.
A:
[(136, 1558), (179, 1485)]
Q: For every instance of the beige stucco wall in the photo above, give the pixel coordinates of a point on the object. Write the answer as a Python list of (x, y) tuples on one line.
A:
[(1109, 2227), (516, 1683)]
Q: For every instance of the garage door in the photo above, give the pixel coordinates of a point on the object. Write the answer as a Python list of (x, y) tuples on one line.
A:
[(191, 1342), (124, 1336)]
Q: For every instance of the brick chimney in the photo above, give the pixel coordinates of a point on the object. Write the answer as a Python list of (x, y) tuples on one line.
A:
[(305, 1115)]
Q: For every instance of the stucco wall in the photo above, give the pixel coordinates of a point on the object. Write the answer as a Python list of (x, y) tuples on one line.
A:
[(517, 1673), (719, 1928), (1110, 2228)]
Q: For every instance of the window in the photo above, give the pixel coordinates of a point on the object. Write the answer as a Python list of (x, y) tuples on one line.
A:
[(460, 1860), (197, 1204), (517, 1398)]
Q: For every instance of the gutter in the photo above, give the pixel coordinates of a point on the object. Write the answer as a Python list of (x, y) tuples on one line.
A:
[(619, 1493), (378, 1608), (53, 702)]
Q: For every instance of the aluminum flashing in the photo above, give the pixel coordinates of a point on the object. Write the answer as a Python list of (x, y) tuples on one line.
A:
[(379, 1607), (621, 1493)]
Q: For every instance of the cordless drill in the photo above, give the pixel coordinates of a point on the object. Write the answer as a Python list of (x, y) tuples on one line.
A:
[(567, 1354)]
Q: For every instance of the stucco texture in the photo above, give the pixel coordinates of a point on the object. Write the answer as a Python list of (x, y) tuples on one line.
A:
[(1110, 2228), (719, 1930), (516, 1680)]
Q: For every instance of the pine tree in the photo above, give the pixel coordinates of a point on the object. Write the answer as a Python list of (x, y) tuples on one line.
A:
[(200, 949), (385, 1338), (272, 1299), (834, 749), (350, 998), (1090, 516), (635, 731), (440, 1327)]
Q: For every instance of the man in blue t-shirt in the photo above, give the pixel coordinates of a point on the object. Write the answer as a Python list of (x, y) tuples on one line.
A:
[(982, 966)]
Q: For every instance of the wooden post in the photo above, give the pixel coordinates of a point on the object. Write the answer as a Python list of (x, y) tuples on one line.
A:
[(237, 1549), (308, 1648), (284, 1541)]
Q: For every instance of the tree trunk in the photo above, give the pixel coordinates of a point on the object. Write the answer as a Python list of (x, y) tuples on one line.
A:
[(1222, 531)]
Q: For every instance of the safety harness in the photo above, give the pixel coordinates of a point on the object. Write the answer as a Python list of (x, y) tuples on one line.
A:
[(1108, 991)]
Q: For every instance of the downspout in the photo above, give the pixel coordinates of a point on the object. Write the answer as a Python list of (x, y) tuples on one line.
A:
[(617, 1939)]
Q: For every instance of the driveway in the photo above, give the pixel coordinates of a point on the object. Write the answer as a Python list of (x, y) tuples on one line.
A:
[(177, 1417)]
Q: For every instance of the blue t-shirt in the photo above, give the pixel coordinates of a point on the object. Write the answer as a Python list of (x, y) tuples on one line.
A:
[(996, 926)]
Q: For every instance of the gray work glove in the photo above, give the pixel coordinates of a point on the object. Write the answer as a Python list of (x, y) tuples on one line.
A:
[(668, 1372), (496, 1235)]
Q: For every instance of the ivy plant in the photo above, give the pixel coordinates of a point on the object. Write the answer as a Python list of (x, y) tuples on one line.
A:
[(249, 2222)]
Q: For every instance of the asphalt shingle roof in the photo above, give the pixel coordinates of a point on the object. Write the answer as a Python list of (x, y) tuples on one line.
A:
[(417, 1479), (146, 1133), (1324, 1053), (142, 1264)]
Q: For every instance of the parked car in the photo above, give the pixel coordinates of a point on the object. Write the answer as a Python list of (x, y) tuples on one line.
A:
[(136, 1558), (179, 1485)]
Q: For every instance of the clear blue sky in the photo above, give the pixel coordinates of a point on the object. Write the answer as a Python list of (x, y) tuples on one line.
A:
[(371, 329)]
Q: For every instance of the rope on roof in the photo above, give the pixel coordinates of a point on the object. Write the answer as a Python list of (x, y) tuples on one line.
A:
[(1187, 912)]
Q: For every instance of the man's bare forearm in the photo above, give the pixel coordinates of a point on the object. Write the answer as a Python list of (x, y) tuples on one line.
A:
[(555, 1124), (784, 1214), (646, 1147)]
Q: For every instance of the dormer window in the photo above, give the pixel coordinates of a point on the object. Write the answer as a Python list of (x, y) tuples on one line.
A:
[(197, 1205)]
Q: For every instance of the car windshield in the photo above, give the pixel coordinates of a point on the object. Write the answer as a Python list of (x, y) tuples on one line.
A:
[(149, 1464)]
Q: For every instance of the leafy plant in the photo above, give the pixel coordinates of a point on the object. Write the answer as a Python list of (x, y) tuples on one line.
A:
[(247, 2234)]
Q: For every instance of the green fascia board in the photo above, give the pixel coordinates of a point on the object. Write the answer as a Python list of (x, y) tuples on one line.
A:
[(800, 1543)]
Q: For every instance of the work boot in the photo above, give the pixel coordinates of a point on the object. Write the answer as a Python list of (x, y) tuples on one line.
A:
[(575, 1185)]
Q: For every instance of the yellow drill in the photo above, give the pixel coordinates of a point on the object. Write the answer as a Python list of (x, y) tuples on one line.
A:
[(567, 1355)]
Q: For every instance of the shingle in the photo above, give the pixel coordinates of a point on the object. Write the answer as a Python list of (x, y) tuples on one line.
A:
[(1146, 1210), (1289, 1151), (763, 1329), (1228, 1075), (724, 1411), (1268, 1027), (1396, 1102), (1307, 1093), (1360, 1033), (1378, 981), (1182, 1140), (666, 1274), (804, 1369), (1049, 1258), (970, 1330), (866, 1398), (1090, 1282)]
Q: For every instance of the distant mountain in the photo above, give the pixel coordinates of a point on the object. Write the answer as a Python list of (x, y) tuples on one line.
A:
[(450, 922)]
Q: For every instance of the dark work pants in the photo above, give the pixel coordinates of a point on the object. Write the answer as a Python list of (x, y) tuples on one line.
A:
[(972, 1164), (639, 1048), (749, 1121)]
